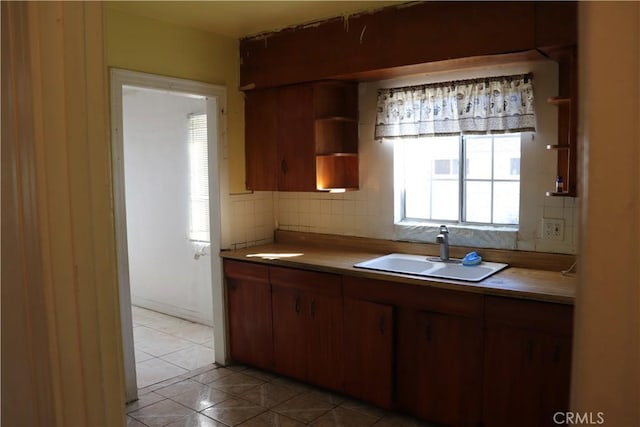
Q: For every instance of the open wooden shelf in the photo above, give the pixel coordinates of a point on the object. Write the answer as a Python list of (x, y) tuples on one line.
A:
[(559, 194), (336, 136), (567, 105), (558, 100)]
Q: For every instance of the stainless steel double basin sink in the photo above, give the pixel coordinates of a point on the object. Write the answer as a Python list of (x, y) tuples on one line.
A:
[(432, 267)]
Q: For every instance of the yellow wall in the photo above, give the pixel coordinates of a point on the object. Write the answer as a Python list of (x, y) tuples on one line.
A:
[(147, 45)]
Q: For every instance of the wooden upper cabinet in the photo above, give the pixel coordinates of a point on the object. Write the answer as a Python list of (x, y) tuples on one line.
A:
[(261, 140), (556, 23), (287, 129), (389, 38), (296, 148)]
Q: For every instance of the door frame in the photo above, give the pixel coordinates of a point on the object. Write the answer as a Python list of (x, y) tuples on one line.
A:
[(219, 203)]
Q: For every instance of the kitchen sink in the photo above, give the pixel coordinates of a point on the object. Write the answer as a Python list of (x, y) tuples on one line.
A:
[(431, 267)]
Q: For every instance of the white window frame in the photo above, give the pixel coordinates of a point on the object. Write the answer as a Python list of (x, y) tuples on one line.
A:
[(402, 221)]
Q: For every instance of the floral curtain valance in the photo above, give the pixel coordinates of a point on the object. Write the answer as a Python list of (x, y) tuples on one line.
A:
[(480, 106)]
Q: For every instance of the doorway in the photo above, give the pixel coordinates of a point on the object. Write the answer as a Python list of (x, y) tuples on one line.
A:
[(166, 138)]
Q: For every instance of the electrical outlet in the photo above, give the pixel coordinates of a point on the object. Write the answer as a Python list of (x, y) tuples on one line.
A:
[(552, 229)]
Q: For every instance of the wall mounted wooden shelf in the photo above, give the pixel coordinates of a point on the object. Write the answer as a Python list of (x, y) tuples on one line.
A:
[(559, 194), (557, 100), (567, 104)]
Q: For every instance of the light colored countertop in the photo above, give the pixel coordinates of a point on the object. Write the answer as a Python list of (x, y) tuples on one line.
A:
[(515, 282)]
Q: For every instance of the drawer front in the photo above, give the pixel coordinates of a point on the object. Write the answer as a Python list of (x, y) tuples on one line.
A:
[(417, 297), (542, 316), (324, 283), (246, 271)]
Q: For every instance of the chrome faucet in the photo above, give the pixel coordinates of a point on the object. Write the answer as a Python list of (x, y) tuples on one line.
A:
[(443, 239)]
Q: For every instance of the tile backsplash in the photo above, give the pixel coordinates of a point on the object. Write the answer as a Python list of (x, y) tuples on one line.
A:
[(252, 219)]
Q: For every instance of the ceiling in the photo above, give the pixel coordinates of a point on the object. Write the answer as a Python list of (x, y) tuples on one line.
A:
[(238, 19)]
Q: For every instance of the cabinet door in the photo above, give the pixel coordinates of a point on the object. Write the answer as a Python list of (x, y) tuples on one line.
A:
[(261, 153), (324, 341), (296, 144), (512, 377), (555, 375), (368, 345), (289, 340), (249, 314), (449, 369)]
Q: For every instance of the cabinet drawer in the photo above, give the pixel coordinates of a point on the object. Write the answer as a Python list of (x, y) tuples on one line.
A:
[(542, 316), (323, 283), (246, 271), (417, 297)]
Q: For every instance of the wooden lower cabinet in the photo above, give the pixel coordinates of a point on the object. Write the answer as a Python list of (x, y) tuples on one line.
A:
[(368, 355), (289, 338), (249, 313), (527, 362), (308, 326), (440, 367), (451, 358)]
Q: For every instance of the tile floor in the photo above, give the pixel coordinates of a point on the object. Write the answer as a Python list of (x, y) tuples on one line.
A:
[(167, 346), (180, 387), (214, 396)]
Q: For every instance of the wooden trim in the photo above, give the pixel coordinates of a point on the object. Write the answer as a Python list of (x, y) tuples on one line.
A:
[(522, 259)]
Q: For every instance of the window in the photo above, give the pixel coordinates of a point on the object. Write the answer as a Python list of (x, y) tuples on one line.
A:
[(459, 179), (199, 167)]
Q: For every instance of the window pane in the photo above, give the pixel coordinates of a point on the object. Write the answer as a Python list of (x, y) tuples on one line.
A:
[(425, 159), (478, 202), (199, 226), (417, 199), (506, 157), (478, 157), (445, 200), (506, 202)]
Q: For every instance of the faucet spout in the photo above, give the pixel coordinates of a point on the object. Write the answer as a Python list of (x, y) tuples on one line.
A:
[(443, 239)]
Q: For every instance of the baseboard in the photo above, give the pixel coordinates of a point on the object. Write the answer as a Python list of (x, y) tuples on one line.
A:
[(172, 310)]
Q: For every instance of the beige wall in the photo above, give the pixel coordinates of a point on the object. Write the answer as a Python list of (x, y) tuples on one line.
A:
[(147, 45), (606, 368)]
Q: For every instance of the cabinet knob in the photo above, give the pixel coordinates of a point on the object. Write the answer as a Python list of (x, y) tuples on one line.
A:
[(296, 305), (283, 166), (382, 324)]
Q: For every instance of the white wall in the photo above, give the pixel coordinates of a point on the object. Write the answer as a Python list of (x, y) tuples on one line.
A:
[(164, 273), (369, 211)]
